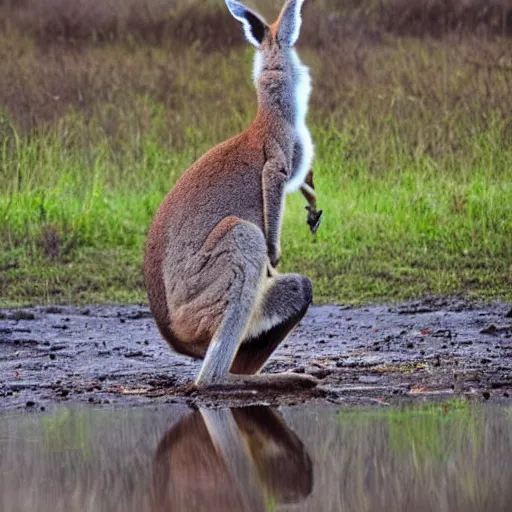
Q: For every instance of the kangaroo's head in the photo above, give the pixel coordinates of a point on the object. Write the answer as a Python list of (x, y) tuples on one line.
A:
[(281, 79)]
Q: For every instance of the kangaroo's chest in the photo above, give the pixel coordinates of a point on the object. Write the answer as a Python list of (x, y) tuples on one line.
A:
[(303, 147), (302, 158)]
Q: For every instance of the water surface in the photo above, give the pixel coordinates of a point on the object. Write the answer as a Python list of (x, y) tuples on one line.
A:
[(449, 457)]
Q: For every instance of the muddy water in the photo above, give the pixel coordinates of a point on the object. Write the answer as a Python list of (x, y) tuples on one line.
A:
[(449, 457)]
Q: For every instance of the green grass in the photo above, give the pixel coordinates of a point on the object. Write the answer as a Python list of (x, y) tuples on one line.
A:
[(74, 222), (413, 162)]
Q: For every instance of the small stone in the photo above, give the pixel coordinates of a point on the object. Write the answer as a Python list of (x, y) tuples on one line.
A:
[(135, 353), (369, 379)]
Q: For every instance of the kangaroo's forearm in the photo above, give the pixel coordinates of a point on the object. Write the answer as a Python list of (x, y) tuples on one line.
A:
[(309, 194), (274, 178), (308, 190)]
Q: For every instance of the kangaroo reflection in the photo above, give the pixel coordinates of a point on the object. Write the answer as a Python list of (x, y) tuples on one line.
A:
[(230, 460)]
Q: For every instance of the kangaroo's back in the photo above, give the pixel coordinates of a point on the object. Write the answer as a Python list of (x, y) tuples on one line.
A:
[(226, 181)]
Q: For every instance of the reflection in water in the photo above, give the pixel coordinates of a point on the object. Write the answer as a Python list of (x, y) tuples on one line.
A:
[(230, 460), (449, 458)]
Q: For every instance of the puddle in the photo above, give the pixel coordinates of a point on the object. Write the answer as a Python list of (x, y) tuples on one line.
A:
[(453, 456)]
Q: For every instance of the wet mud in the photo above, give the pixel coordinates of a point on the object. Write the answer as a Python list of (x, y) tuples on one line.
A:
[(437, 347)]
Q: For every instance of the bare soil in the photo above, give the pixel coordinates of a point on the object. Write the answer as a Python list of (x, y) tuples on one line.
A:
[(433, 348)]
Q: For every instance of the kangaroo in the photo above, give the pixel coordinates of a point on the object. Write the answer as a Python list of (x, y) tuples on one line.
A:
[(214, 244)]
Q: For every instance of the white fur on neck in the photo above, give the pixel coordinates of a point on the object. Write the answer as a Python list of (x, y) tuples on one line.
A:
[(302, 92), (257, 66)]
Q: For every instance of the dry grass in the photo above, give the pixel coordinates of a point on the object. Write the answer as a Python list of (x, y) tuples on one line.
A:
[(206, 22), (95, 56)]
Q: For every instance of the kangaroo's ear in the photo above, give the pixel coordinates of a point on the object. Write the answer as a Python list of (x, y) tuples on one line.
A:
[(289, 22), (254, 26)]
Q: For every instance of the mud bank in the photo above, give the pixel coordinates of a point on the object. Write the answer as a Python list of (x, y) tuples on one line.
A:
[(373, 355)]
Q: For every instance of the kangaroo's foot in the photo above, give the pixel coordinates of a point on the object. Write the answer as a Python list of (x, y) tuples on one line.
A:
[(276, 381)]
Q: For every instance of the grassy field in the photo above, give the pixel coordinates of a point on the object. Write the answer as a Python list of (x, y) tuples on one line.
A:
[(101, 111)]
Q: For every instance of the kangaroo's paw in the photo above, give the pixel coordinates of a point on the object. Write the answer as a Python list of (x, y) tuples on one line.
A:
[(314, 218)]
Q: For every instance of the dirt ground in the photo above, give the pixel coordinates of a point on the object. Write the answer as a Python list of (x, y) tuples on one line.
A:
[(114, 355)]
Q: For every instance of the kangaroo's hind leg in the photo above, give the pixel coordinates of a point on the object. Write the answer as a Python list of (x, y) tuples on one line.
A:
[(284, 303), (241, 266)]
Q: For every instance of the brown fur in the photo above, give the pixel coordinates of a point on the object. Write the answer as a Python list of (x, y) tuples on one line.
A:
[(231, 172)]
